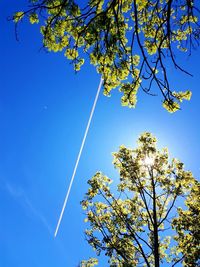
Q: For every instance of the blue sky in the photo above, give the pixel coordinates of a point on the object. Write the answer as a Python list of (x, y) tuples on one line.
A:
[(44, 108)]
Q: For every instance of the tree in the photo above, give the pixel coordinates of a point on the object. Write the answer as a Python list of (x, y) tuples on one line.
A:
[(141, 224), (131, 42)]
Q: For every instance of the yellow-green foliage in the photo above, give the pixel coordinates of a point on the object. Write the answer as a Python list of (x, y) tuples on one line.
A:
[(33, 18), (18, 16), (89, 263), (126, 40), (124, 224)]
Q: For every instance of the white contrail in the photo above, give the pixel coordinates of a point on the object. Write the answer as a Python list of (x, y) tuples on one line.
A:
[(78, 158)]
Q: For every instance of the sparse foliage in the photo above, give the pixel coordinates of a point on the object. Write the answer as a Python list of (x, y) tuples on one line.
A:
[(131, 42), (141, 224)]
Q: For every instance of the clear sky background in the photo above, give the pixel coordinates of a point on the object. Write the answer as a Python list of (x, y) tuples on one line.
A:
[(44, 108)]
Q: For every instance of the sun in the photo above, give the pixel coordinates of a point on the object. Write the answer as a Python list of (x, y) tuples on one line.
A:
[(149, 161)]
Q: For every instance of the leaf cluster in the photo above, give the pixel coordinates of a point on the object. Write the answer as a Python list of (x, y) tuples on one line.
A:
[(129, 41), (124, 225)]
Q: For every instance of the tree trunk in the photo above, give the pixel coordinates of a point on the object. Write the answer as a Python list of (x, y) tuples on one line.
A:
[(155, 227)]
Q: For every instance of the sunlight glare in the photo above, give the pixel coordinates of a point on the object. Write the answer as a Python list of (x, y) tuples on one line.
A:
[(149, 161)]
